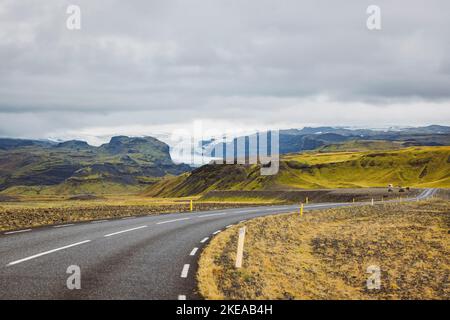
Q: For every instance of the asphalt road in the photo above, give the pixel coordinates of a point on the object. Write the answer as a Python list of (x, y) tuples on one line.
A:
[(149, 257)]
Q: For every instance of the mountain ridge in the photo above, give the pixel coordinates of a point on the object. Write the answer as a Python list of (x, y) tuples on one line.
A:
[(413, 166), (128, 164), (311, 138), (123, 161)]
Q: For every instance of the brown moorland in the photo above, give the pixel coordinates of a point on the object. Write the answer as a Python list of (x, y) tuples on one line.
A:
[(325, 255)]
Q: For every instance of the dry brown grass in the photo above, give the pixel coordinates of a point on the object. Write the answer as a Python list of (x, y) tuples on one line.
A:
[(39, 211), (325, 255)]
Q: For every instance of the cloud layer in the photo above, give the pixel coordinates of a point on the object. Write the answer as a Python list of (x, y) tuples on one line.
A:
[(138, 67)]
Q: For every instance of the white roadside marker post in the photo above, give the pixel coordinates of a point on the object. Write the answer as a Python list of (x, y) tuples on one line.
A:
[(372, 202), (240, 249)]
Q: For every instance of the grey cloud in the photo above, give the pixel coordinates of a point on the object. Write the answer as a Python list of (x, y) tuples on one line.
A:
[(166, 62)]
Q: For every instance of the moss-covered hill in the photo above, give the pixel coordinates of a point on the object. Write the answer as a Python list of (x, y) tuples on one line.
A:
[(414, 167), (72, 167)]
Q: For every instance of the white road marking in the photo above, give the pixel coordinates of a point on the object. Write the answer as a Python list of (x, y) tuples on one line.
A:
[(218, 231), (193, 252), (169, 221), (98, 221), (254, 210), (126, 218), (64, 225), (204, 240), (229, 226), (185, 271), (242, 221), (123, 231), (18, 231), (324, 205), (212, 215), (48, 252), (181, 297)]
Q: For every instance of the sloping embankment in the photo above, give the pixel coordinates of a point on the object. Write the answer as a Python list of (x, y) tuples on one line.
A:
[(326, 255)]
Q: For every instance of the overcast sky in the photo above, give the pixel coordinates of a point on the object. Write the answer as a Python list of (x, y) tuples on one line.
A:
[(144, 67)]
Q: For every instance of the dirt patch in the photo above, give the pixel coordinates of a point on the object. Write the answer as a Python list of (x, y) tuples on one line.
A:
[(85, 197), (326, 255)]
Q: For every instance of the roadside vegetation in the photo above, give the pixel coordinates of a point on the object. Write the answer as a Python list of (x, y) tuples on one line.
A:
[(25, 212), (325, 255)]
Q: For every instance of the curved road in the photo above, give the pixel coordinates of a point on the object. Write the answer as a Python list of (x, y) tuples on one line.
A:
[(147, 257)]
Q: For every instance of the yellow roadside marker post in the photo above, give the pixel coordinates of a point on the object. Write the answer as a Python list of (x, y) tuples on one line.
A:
[(301, 210), (191, 205)]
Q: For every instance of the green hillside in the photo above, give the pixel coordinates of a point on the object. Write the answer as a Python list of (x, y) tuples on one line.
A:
[(414, 167), (121, 166)]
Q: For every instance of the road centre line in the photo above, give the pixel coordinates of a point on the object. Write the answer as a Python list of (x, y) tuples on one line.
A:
[(185, 271), (217, 232), (193, 252), (123, 231), (98, 221), (249, 211), (175, 220), (204, 240), (64, 225), (18, 231), (212, 215), (48, 252)]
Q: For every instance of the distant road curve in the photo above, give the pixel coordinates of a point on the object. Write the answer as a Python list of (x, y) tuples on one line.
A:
[(149, 257)]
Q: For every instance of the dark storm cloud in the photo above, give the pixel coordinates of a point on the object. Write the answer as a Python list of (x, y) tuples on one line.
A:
[(154, 63)]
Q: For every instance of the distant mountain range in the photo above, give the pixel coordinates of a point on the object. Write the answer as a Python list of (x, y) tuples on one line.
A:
[(297, 140), (124, 161), (129, 164)]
